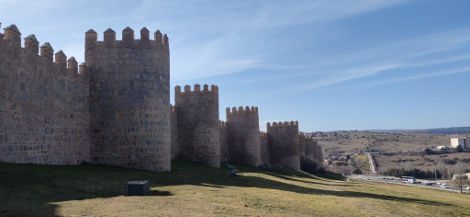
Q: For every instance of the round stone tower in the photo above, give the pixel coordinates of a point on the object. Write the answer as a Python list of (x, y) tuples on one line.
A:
[(310, 153), (198, 126), (243, 135), (283, 139), (129, 99)]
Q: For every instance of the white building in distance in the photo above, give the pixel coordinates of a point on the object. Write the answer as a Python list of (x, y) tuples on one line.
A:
[(454, 142)]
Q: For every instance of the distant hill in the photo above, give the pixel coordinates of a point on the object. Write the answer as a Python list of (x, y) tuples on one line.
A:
[(450, 130)]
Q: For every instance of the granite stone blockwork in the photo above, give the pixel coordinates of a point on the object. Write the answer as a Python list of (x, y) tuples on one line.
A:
[(243, 136), (283, 139), (264, 149), (174, 134), (43, 104), (224, 152), (198, 126), (129, 99), (115, 110), (310, 153)]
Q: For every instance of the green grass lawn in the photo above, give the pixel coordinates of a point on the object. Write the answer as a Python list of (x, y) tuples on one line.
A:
[(195, 190)]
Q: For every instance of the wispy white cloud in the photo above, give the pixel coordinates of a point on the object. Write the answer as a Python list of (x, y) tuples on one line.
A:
[(214, 38), (208, 38), (423, 75), (347, 75), (405, 54)]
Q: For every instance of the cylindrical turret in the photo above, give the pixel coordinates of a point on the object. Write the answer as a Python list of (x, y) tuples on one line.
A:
[(130, 102), (243, 136), (198, 125), (283, 139)]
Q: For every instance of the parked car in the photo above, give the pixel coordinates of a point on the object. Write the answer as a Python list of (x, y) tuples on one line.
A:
[(444, 185), (429, 183), (408, 179)]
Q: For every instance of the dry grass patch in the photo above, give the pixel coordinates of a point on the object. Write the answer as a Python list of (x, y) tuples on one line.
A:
[(194, 190)]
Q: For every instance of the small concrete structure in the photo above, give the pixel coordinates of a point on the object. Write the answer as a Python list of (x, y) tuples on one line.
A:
[(137, 188), (455, 142)]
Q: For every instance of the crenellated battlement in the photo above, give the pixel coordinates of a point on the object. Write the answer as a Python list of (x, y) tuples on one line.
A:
[(160, 41), (199, 127), (242, 110), (136, 75), (310, 153), (11, 40), (196, 90), (12, 36), (283, 139), (123, 89), (83, 70), (52, 126), (306, 137), (223, 124), (244, 136), (285, 124)]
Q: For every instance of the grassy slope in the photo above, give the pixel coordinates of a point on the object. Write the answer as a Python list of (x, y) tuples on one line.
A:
[(194, 190)]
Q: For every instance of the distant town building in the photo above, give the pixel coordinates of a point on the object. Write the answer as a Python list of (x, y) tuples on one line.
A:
[(455, 142), (465, 176)]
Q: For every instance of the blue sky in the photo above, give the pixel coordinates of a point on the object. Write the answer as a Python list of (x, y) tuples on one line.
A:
[(331, 64)]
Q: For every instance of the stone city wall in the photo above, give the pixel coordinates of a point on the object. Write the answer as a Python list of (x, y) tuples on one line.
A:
[(130, 99), (43, 103), (243, 135), (115, 110), (198, 125), (283, 139)]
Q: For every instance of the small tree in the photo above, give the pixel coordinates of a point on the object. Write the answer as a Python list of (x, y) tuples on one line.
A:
[(459, 148), (357, 171), (460, 179), (428, 151)]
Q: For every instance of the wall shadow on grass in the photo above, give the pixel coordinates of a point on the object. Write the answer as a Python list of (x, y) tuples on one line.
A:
[(349, 194), (220, 178), (31, 190), (290, 178), (159, 193)]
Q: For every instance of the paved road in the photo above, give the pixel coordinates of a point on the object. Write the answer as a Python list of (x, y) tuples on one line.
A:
[(398, 181)]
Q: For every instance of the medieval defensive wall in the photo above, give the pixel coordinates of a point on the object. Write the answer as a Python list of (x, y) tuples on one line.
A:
[(115, 109), (129, 99), (197, 121), (283, 140), (243, 135), (43, 103)]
